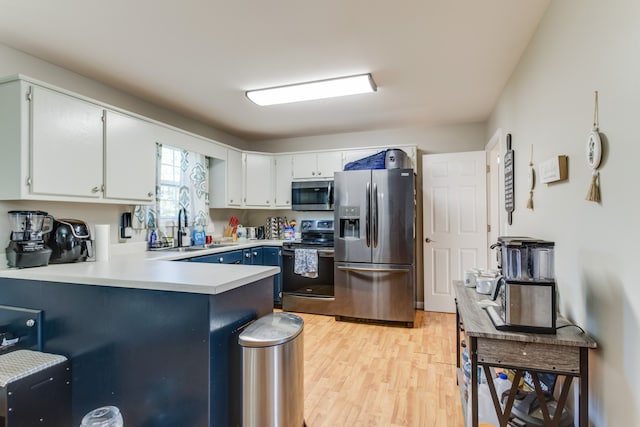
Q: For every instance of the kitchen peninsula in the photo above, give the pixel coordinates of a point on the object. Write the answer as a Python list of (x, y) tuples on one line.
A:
[(154, 337)]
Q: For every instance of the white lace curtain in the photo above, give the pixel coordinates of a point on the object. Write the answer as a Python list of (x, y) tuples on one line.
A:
[(182, 181)]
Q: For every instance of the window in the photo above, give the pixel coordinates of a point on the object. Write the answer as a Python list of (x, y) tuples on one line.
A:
[(182, 181), (169, 178)]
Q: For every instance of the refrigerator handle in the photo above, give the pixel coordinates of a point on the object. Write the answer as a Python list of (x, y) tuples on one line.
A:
[(375, 215), (330, 196), (367, 215)]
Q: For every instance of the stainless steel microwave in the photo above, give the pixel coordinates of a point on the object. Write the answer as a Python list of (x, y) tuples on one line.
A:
[(312, 195)]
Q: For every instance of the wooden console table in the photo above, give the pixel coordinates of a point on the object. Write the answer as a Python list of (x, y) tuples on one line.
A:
[(565, 353)]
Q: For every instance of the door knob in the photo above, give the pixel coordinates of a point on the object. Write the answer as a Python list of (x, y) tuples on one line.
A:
[(428, 240)]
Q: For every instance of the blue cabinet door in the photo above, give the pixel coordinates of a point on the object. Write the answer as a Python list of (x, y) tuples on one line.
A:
[(273, 256), (231, 257), (253, 256), (266, 255)]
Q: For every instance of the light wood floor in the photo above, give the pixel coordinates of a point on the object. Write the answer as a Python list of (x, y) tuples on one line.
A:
[(372, 375)]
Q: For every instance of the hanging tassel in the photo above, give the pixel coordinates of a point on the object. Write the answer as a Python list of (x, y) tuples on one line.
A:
[(530, 201), (532, 180), (594, 190)]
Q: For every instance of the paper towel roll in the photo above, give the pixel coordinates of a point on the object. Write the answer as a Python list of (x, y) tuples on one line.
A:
[(101, 242)]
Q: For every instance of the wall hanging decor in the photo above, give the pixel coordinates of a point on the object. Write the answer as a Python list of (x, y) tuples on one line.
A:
[(554, 169), (594, 156), (531, 180), (509, 194)]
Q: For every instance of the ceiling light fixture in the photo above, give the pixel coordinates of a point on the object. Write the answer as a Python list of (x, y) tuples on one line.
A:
[(320, 89)]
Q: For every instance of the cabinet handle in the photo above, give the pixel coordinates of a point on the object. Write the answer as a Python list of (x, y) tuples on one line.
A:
[(313, 173), (221, 260), (95, 189), (255, 254), (230, 200), (149, 194), (247, 255), (319, 173), (267, 202)]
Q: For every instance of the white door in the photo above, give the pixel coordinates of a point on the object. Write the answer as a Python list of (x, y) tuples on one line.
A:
[(454, 222)]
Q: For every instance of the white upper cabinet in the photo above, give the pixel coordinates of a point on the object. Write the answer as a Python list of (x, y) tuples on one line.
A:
[(130, 153), (66, 145), (235, 178), (226, 180), (258, 180), (283, 174), (58, 146), (319, 165)]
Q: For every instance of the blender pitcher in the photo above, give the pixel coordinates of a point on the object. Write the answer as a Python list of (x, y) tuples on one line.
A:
[(28, 225)]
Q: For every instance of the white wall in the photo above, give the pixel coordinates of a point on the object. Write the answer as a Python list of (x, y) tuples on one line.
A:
[(582, 46), (431, 140)]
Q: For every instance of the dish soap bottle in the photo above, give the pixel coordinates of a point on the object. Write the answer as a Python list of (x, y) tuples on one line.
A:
[(198, 236), (153, 238)]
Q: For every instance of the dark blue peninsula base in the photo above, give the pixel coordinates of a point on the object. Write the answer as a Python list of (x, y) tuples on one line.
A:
[(166, 359)]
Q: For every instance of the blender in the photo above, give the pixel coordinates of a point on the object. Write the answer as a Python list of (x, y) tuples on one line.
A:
[(26, 247)]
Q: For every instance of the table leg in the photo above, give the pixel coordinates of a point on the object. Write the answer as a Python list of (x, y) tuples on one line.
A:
[(473, 353), (584, 387), (457, 338)]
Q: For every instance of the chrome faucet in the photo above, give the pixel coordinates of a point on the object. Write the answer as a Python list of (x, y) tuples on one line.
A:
[(181, 230)]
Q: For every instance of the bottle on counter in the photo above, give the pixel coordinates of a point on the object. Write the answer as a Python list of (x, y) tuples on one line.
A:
[(153, 239)]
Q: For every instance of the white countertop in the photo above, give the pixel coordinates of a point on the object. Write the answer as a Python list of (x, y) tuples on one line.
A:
[(156, 270)]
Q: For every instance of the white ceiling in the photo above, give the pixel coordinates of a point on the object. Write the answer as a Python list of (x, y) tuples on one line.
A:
[(434, 61)]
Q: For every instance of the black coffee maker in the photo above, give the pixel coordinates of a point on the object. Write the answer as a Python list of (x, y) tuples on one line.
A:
[(26, 247)]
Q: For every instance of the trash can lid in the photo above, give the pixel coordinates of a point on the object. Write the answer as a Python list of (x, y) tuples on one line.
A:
[(272, 329)]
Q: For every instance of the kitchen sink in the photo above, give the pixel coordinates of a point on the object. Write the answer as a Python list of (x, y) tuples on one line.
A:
[(193, 248)]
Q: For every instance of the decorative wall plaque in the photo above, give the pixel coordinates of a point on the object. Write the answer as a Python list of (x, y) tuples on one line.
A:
[(509, 190)]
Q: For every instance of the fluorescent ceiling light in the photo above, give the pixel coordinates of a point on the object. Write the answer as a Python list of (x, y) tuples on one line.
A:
[(321, 89)]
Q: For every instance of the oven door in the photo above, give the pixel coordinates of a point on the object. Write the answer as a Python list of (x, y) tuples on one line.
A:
[(305, 294)]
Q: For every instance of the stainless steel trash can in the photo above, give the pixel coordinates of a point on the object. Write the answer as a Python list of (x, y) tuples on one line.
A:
[(273, 372)]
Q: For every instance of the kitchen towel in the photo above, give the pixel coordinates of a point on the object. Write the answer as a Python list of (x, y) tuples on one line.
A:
[(305, 262), (102, 242)]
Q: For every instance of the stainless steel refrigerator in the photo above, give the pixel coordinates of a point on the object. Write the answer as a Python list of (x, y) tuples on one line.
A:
[(374, 269)]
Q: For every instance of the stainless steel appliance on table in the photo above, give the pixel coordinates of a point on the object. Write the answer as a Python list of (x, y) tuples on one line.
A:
[(375, 245), (527, 288), (304, 292)]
